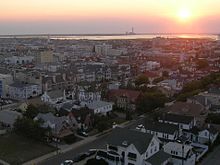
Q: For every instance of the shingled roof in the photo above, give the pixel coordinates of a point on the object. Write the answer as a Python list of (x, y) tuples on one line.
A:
[(124, 137), (176, 118)]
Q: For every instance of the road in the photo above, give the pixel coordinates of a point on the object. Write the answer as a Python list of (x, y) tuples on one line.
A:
[(98, 143), (212, 158)]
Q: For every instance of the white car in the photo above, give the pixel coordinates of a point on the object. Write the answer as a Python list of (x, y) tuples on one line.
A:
[(67, 162), (140, 126)]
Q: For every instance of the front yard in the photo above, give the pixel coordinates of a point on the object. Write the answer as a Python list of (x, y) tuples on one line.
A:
[(15, 149)]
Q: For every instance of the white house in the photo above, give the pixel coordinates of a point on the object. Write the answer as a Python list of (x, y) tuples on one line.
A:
[(53, 97), (5, 80), (181, 153), (19, 59), (89, 96), (130, 147), (100, 107), (24, 91), (208, 135)]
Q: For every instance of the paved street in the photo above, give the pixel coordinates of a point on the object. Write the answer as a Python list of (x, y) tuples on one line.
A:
[(99, 143), (213, 158)]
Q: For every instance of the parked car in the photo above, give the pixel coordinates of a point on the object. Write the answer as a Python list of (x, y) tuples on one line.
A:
[(82, 133), (67, 162), (80, 157), (91, 152), (139, 127)]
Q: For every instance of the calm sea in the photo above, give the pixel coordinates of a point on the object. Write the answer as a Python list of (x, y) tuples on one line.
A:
[(116, 37)]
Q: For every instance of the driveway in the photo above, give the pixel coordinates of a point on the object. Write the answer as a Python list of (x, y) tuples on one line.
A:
[(212, 158)]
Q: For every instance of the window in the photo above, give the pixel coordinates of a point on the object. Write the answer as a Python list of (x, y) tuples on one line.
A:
[(130, 164), (132, 156), (113, 148), (146, 154)]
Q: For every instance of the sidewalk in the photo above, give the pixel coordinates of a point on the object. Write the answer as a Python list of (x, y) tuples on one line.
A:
[(75, 145)]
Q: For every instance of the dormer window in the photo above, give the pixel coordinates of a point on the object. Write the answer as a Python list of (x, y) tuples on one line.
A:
[(125, 143)]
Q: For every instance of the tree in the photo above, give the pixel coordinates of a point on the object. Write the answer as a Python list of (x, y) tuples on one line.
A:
[(128, 115), (142, 79), (165, 74), (202, 63), (31, 111), (150, 101), (30, 128)]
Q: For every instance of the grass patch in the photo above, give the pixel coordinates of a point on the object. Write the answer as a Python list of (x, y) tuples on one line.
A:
[(16, 149)]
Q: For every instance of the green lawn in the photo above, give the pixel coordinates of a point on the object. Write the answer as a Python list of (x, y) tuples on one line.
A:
[(15, 149)]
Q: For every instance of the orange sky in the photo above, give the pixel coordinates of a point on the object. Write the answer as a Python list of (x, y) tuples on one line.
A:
[(92, 16)]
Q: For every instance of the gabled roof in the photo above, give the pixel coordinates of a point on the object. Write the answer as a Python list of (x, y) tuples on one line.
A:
[(203, 100), (55, 94), (98, 104), (9, 117), (58, 122), (124, 137), (176, 118), (159, 158), (161, 127), (132, 95), (183, 108)]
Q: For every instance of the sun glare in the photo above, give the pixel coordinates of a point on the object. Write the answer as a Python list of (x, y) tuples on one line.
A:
[(184, 14)]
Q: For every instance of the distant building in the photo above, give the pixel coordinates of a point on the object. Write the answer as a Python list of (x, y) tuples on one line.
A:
[(100, 107), (19, 59), (22, 91), (45, 57), (8, 118), (103, 49), (123, 98), (5, 80)]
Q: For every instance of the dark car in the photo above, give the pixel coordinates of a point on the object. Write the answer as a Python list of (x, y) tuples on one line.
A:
[(91, 152), (80, 157), (82, 133)]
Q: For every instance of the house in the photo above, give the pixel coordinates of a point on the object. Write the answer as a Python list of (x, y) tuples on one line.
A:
[(60, 126), (52, 97), (164, 131), (84, 117), (170, 84), (5, 80), (124, 98), (8, 118), (201, 100), (23, 91), (180, 153), (89, 96), (208, 135), (184, 122), (100, 107), (132, 147), (189, 109)]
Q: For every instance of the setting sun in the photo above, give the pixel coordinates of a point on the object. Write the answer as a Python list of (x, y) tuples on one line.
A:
[(184, 14)]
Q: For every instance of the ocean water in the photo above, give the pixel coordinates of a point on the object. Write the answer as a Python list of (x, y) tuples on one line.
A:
[(114, 36), (137, 36)]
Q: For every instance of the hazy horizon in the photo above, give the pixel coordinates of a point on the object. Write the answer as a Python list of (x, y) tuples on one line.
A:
[(108, 17)]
